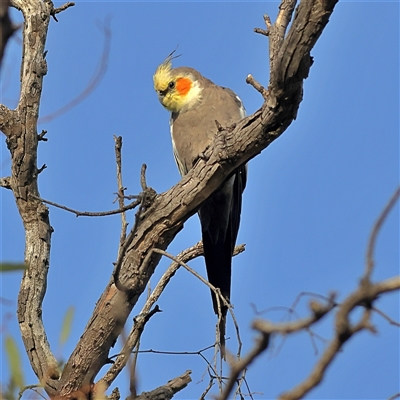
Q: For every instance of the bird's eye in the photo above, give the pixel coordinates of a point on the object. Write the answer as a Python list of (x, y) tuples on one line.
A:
[(171, 85)]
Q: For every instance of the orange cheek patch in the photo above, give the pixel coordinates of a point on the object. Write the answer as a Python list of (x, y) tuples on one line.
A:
[(183, 86)]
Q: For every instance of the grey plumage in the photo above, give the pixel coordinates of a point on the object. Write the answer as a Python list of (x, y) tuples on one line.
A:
[(193, 129)]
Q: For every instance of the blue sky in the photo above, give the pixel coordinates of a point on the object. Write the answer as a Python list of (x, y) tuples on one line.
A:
[(311, 200)]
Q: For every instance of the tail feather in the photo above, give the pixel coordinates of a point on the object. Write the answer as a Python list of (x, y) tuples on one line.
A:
[(218, 263), (220, 217)]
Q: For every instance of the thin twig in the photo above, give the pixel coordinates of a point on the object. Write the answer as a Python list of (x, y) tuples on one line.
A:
[(131, 206), (344, 330), (33, 388), (318, 311), (175, 353), (121, 189), (60, 9), (374, 233), (192, 271), (385, 316)]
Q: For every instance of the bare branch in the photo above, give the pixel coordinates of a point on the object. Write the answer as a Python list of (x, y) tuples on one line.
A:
[(261, 89), (167, 391), (318, 311), (268, 24), (41, 136), (60, 9), (385, 316), (140, 321), (364, 295), (23, 182), (343, 331), (196, 274), (6, 182), (374, 233), (121, 189), (131, 206)]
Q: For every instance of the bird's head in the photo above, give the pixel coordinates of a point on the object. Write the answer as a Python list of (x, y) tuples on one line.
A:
[(177, 89)]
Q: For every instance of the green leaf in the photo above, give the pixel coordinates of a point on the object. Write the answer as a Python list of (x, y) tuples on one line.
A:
[(14, 362), (9, 267), (67, 325)]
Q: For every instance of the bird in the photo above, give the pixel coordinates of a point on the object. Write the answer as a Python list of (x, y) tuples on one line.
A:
[(195, 104)]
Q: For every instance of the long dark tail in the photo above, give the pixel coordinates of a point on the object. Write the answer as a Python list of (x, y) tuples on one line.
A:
[(218, 257), (220, 217)]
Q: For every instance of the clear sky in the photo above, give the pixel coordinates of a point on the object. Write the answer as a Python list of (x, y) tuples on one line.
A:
[(311, 199)]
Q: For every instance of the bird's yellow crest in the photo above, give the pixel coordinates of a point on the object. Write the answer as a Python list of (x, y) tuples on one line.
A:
[(162, 76), (175, 90)]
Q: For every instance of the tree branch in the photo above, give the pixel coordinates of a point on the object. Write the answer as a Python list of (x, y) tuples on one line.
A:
[(374, 233), (22, 140), (61, 9), (167, 391), (78, 213), (171, 209), (121, 190), (140, 320)]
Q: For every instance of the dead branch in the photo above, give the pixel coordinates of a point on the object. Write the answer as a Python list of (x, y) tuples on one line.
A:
[(261, 89), (20, 128), (141, 320), (343, 331), (5, 182), (167, 391), (61, 9), (318, 311), (131, 206), (121, 190), (374, 233), (386, 317)]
